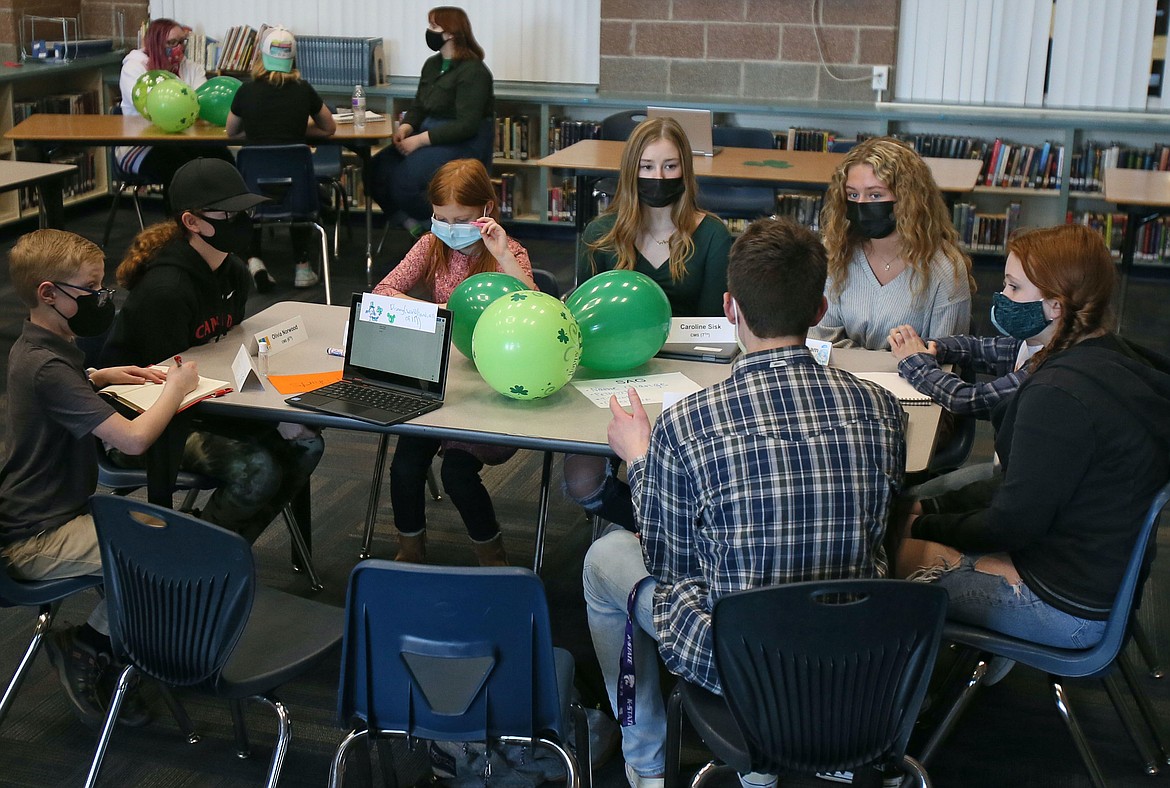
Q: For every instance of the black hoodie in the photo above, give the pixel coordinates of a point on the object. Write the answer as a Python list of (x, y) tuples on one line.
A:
[(179, 303), (1085, 445)]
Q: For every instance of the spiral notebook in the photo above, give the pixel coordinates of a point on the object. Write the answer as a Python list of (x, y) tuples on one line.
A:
[(898, 386)]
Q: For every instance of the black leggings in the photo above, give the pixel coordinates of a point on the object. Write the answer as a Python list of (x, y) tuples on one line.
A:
[(460, 474)]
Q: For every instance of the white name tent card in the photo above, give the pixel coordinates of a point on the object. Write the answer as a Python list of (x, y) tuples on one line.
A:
[(282, 336), (651, 388), (701, 329), (820, 349), (243, 371), (417, 315)]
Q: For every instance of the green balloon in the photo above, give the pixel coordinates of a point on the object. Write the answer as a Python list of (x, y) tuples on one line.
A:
[(624, 318), (172, 105), (215, 98), (526, 345), (142, 88), (473, 295)]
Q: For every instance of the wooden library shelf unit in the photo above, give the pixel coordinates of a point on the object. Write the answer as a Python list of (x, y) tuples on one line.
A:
[(75, 87)]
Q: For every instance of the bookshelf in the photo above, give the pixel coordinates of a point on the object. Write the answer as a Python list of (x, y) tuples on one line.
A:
[(74, 87), (1031, 198)]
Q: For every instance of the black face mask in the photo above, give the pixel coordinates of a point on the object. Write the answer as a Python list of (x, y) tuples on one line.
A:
[(660, 192), (434, 40), (91, 320), (872, 219), (231, 235)]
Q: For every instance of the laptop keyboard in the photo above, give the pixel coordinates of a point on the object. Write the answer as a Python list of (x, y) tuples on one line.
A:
[(372, 396)]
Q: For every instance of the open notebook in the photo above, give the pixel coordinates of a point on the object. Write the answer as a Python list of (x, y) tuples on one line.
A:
[(346, 116), (896, 385), (141, 396)]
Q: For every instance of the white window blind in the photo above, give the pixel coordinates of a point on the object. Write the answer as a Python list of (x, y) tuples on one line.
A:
[(524, 40), (996, 52)]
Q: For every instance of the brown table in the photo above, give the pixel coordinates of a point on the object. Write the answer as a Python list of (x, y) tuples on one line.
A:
[(49, 180), (1144, 195), (806, 168), (46, 128)]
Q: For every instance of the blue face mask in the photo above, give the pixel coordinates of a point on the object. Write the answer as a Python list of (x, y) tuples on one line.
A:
[(1022, 320), (457, 236)]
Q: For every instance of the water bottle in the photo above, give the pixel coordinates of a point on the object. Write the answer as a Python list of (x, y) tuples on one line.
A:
[(262, 357), (359, 107)]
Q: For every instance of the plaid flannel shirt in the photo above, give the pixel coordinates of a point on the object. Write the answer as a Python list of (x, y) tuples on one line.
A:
[(783, 472), (990, 355)]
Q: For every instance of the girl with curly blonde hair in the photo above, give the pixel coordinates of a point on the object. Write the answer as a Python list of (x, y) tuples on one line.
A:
[(894, 256)]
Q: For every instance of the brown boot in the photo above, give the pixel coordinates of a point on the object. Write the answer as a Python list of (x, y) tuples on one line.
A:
[(412, 548), (491, 552)]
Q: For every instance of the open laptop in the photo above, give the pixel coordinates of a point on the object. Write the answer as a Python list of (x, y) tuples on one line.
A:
[(695, 122), (391, 373)]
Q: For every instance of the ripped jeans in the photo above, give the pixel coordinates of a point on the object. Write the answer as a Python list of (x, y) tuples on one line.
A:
[(990, 600)]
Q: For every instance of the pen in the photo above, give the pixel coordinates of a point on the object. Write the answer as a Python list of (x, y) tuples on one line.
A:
[(178, 361)]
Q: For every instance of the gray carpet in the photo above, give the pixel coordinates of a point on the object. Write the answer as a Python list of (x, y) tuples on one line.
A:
[(1011, 735)]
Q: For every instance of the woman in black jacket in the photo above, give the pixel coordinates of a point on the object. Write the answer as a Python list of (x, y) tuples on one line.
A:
[(452, 118), (1085, 445)]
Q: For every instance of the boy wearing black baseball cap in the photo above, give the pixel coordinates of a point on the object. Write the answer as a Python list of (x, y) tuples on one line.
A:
[(188, 286)]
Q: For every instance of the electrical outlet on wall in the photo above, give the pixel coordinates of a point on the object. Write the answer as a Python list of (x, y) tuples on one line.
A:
[(881, 77)]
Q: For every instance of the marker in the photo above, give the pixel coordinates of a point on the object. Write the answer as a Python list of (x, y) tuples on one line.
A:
[(335, 351), (178, 361)]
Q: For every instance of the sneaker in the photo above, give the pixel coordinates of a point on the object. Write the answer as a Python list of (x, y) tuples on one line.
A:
[(80, 669), (757, 780), (638, 781), (264, 280), (892, 780), (305, 276)]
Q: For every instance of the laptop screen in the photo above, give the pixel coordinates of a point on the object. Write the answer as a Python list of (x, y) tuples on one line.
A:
[(696, 124), (398, 356)]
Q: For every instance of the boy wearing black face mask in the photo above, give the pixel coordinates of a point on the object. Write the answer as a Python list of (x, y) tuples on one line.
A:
[(54, 413), (188, 286)]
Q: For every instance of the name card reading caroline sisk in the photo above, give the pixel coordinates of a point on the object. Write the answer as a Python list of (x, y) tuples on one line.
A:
[(651, 388), (701, 329), (416, 315), (282, 336)]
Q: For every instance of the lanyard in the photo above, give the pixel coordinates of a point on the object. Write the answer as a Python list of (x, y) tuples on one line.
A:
[(626, 689)]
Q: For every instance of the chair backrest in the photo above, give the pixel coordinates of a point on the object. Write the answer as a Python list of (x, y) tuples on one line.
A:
[(546, 282), (179, 590), (620, 125), (448, 653), (742, 137), (827, 675), (842, 146), (283, 173)]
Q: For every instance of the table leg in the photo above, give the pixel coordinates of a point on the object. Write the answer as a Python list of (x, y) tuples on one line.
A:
[(375, 494), (51, 201), (542, 511)]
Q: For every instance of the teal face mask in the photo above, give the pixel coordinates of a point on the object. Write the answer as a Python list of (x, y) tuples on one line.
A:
[(457, 236)]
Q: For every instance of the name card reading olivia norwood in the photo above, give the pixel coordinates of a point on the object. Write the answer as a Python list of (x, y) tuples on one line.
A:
[(651, 388), (403, 312), (282, 336), (701, 329)]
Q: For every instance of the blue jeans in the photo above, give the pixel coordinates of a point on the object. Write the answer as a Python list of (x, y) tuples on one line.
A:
[(990, 601), (613, 566), (399, 183)]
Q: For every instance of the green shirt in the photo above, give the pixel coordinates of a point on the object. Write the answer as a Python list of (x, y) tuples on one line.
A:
[(461, 97), (699, 293)]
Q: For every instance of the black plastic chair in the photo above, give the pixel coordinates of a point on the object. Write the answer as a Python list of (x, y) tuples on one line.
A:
[(616, 127), (953, 454), (186, 610), (469, 659), (738, 199), (284, 174), (327, 166), (1060, 663), (45, 595), (120, 181), (823, 676), (546, 282)]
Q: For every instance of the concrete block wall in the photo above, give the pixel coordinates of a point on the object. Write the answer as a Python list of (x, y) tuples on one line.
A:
[(95, 18), (753, 49)]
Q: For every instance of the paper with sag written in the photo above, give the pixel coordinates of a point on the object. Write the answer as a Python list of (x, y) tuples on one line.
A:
[(141, 396), (651, 388), (299, 384)]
